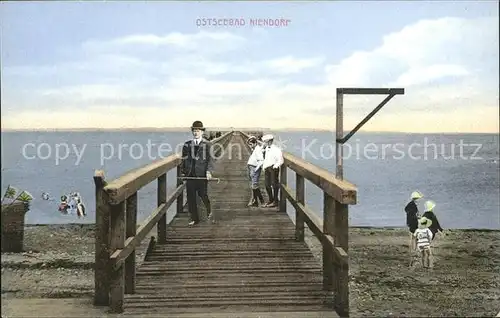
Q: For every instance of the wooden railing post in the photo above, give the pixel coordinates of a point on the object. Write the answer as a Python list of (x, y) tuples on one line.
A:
[(162, 198), (283, 181), (117, 241), (131, 230), (102, 249), (341, 271), (328, 228), (332, 230), (299, 216), (180, 198)]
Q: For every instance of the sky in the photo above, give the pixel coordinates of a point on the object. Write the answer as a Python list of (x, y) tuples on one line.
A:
[(158, 64)]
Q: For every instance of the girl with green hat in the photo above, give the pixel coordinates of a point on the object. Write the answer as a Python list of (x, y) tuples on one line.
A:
[(429, 214)]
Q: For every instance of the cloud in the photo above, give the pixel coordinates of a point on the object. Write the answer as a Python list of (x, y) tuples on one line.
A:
[(444, 63), (426, 74), (201, 65), (176, 92), (202, 41), (289, 64), (362, 69), (191, 41), (428, 49), (197, 63), (446, 40), (111, 63)]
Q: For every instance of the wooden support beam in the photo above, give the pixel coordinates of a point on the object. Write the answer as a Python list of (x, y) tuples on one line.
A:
[(102, 249), (328, 228), (370, 91), (130, 231), (117, 241), (340, 140), (299, 215), (283, 181), (341, 239), (180, 198), (161, 199), (343, 140), (339, 150)]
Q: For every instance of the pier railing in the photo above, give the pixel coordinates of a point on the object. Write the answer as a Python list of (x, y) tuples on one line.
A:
[(332, 230), (117, 235)]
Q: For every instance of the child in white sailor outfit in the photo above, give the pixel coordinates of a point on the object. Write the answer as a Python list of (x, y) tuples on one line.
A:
[(424, 239), (273, 159), (254, 165)]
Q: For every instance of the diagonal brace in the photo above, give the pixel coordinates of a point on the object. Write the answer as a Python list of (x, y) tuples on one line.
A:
[(366, 119), (340, 140)]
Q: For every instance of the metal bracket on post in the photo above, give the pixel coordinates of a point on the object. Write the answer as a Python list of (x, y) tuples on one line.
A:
[(340, 139)]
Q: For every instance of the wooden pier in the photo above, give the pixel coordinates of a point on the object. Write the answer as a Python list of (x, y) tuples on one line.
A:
[(251, 260)]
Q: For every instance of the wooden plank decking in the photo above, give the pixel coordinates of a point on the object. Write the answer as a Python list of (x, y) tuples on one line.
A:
[(248, 261)]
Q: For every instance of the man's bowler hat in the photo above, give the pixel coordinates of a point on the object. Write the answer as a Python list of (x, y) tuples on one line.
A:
[(197, 125)]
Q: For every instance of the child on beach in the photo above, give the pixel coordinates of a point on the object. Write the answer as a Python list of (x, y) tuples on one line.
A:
[(424, 238), (412, 216), (429, 214)]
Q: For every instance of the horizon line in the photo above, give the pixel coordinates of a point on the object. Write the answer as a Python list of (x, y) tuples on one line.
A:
[(186, 129)]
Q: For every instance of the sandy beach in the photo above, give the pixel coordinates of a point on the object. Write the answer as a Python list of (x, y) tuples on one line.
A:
[(58, 261)]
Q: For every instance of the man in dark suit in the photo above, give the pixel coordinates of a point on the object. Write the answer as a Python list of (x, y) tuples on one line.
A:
[(197, 162)]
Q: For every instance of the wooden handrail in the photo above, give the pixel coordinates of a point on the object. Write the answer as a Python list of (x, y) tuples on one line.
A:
[(126, 185), (332, 231), (117, 235), (216, 140), (341, 190)]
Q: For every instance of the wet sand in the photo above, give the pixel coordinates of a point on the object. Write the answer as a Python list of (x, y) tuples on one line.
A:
[(58, 261)]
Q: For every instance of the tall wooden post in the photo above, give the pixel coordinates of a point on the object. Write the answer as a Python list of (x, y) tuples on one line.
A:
[(117, 241), (340, 132), (283, 181), (299, 216), (102, 253), (180, 198), (328, 228), (131, 230), (162, 198), (341, 271)]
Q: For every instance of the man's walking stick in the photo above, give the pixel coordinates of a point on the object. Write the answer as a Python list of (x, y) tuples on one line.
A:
[(199, 178)]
